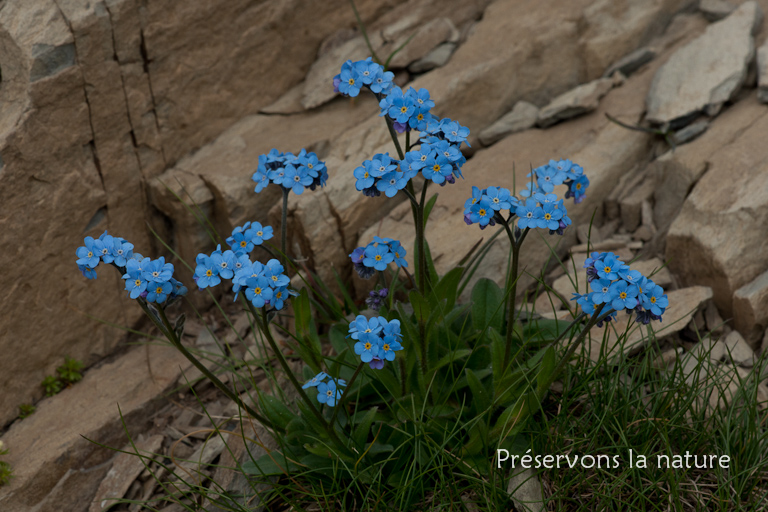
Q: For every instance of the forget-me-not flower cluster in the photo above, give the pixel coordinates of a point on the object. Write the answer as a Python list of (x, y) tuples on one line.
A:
[(292, 172), (144, 278), (377, 339), (539, 208), (617, 286), (328, 393), (377, 255)]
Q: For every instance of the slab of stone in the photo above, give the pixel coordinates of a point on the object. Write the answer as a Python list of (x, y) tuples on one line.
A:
[(581, 100), (523, 116), (724, 220), (750, 309), (707, 72), (52, 460), (738, 351), (690, 132), (438, 57), (762, 73), (715, 10), (420, 42), (125, 469), (631, 63), (525, 489)]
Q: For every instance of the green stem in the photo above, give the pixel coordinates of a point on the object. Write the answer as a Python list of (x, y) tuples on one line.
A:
[(512, 289), (407, 141), (594, 320), (284, 229), (393, 134), (344, 395), (169, 332), (364, 33), (263, 325)]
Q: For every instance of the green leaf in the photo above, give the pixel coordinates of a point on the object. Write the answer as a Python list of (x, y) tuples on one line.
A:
[(480, 398), (420, 306), (428, 208), (545, 330), (487, 309), (546, 368), (360, 434), (276, 411), (390, 382), (448, 288), (451, 357), (274, 463), (498, 348)]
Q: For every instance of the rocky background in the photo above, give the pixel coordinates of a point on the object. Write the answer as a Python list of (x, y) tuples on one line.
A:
[(111, 108)]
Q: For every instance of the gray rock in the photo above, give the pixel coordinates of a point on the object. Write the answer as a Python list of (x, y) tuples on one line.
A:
[(715, 10), (750, 308), (737, 350), (434, 59), (762, 73), (525, 489), (521, 117), (581, 100), (704, 74), (631, 63), (49, 60), (691, 131), (420, 42)]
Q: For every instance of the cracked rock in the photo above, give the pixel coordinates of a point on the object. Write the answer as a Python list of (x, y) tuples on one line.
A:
[(521, 117), (704, 74), (581, 100)]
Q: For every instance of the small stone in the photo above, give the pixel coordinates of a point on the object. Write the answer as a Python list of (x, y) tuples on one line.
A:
[(49, 60), (667, 358), (631, 205), (420, 43), (631, 63), (438, 57), (738, 351), (525, 489), (521, 117), (714, 320), (643, 233), (762, 73), (690, 132), (581, 100), (715, 10), (750, 308)]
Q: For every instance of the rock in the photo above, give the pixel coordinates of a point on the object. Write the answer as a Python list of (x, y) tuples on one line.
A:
[(522, 117), (438, 57), (525, 489), (677, 171), (707, 72), (54, 465), (750, 309), (631, 63), (738, 351), (667, 358), (683, 304), (713, 319), (643, 233), (288, 103), (724, 220), (126, 467), (723, 386), (631, 205), (539, 53), (762, 73), (715, 10), (576, 102), (690, 132), (419, 43)]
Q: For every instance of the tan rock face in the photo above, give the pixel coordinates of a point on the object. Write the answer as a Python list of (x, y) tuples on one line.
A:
[(719, 239), (750, 309), (99, 97)]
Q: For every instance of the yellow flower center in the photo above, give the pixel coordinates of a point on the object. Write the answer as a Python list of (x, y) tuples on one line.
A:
[(436, 167), (365, 175), (403, 109), (209, 273), (607, 270), (377, 257), (482, 212), (547, 216), (159, 289), (351, 81), (420, 117), (90, 254), (257, 290), (623, 295), (653, 300), (243, 243), (386, 347), (367, 346), (259, 233), (274, 278), (137, 282), (279, 295), (578, 186)]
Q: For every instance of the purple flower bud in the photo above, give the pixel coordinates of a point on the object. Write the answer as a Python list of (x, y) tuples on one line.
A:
[(467, 220), (336, 82), (401, 127), (376, 363), (358, 255)]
